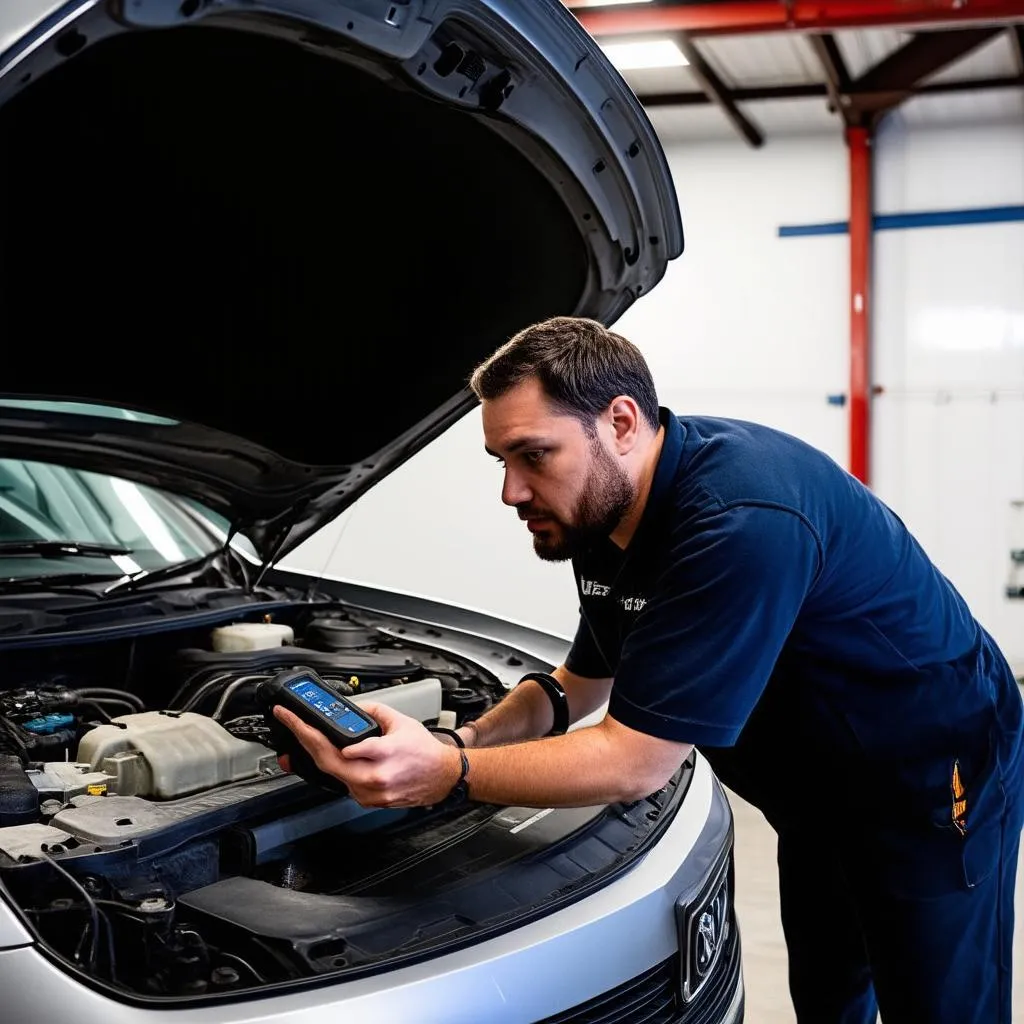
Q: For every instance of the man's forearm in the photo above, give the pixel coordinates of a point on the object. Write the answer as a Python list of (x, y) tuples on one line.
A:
[(407, 767), (576, 770), (526, 713), (523, 714)]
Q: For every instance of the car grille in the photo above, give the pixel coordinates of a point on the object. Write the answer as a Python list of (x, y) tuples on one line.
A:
[(652, 997)]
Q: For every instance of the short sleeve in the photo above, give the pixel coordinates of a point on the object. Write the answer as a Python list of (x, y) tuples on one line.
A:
[(699, 656), (585, 657)]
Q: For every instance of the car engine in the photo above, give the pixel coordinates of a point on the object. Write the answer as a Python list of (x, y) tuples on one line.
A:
[(129, 811)]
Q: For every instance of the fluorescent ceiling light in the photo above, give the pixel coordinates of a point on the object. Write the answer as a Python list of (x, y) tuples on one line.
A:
[(649, 53)]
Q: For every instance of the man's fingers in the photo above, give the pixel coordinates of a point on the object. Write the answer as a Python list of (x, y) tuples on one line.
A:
[(318, 745), (374, 749), (372, 769), (377, 747), (365, 781), (284, 716), (285, 762), (384, 715)]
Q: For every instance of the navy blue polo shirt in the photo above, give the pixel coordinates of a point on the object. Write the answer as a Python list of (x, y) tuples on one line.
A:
[(759, 567)]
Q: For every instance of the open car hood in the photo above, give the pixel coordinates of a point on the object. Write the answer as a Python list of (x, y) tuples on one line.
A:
[(283, 232)]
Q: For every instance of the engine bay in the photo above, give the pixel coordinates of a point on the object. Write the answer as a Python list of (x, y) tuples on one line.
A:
[(149, 836)]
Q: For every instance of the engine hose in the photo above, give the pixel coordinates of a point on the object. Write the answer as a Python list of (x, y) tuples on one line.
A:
[(120, 695), (231, 691), (185, 686), (203, 690), (108, 702), (98, 709)]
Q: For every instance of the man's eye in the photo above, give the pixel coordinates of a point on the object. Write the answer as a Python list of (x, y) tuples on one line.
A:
[(500, 463), (534, 457)]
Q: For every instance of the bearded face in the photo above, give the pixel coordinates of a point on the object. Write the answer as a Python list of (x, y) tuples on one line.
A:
[(562, 479), (603, 499)]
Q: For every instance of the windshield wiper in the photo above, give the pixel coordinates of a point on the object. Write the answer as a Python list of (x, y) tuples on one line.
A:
[(144, 578), (64, 583), (62, 548)]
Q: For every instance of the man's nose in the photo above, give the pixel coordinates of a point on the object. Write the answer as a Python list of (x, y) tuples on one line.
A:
[(515, 491)]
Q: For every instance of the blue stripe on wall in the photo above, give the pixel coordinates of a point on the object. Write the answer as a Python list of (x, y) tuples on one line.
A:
[(839, 227), (906, 221)]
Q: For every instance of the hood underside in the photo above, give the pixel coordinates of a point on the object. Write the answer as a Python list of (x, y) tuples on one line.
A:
[(285, 248)]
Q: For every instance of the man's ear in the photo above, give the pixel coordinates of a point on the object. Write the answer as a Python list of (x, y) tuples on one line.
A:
[(624, 415)]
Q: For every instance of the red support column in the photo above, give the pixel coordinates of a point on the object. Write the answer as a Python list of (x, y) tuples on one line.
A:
[(859, 142)]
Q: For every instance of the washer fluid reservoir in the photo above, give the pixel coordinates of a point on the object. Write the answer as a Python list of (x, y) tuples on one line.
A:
[(252, 636)]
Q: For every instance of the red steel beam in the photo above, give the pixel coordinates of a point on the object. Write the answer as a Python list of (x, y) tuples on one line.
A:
[(859, 141), (759, 16)]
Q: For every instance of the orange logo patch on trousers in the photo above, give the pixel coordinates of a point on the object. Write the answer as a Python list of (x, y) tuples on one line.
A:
[(959, 801)]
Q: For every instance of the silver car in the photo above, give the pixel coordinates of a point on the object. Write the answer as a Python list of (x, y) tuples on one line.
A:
[(250, 251)]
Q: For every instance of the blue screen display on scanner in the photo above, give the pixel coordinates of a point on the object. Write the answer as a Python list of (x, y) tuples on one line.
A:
[(329, 706)]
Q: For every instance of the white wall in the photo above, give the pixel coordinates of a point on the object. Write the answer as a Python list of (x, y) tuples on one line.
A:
[(948, 434), (750, 325)]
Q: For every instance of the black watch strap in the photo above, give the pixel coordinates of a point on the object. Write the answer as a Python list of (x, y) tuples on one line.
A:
[(559, 702), (460, 791), (451, 733)]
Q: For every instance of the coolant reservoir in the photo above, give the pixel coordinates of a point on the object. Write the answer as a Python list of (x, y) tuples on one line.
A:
[(252, 636), (167, 756)]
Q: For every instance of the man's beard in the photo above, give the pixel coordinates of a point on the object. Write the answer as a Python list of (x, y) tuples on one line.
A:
[(606, 498)]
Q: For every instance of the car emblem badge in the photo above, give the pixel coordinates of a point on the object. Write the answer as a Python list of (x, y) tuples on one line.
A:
[(705, 932), (707, 941)]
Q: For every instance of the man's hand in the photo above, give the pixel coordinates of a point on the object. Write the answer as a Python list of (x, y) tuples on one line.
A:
[(406, 767)]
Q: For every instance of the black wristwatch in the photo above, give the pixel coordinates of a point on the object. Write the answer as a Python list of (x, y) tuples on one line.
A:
[(440, 730), (460, 791), (559, 702)]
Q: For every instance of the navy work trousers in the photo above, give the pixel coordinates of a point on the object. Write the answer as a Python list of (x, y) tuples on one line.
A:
[(915, 923), (856, 947)]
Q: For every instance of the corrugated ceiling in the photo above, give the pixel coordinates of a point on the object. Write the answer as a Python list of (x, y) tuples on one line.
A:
[(759, 62), (659, 80), (778, 59), (866, 48), (691, 124)]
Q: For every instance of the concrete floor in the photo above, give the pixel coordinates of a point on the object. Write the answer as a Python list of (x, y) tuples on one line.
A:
[(764, 950)]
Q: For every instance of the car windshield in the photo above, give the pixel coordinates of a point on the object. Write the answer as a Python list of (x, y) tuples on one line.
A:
[(55, 520)]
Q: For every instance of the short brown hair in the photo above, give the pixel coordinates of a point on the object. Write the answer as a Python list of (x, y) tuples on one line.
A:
[(581, 365)]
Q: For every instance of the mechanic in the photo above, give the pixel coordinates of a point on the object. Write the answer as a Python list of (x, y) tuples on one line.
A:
[(741, 592)]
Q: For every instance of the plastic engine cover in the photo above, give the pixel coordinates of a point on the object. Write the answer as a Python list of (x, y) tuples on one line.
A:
[(184, 753)]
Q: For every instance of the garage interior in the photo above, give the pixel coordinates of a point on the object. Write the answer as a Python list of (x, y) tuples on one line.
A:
[(313, 227), (851, 178)]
